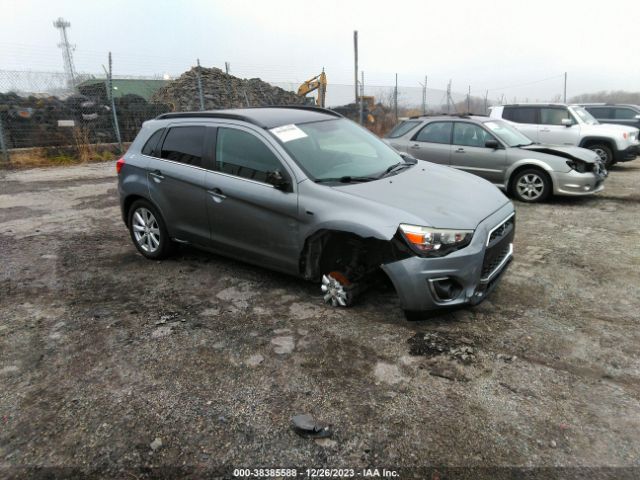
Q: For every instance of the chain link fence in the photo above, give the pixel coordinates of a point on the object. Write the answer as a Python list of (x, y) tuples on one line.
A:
[(41, 114)]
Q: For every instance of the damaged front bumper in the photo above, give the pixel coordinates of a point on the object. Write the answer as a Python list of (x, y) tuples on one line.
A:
[(464, 277), (576, 184)]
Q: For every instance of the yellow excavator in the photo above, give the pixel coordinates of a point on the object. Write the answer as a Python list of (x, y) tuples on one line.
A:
[(319, 82)]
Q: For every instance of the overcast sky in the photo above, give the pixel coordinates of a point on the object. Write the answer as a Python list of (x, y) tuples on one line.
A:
[(508, 47)]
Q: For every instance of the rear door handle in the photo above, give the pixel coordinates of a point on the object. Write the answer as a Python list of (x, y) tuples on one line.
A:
[(217, 195), (545, 130), (460, 150), (157, 176)]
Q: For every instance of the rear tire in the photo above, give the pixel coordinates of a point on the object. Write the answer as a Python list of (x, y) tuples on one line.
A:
[(148, 231), (531, 185), (604, 152)]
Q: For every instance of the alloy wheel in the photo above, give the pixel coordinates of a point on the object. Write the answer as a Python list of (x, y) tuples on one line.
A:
[(530, 186), (334, 291), (146, 230)]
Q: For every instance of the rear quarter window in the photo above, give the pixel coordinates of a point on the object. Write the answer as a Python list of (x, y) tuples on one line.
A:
[(520, 114), (150, 147)]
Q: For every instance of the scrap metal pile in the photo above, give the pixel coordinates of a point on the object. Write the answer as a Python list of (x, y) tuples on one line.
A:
[(221, 90)]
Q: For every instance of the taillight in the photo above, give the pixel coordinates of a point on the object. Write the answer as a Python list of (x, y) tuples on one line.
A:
[(119, 164)]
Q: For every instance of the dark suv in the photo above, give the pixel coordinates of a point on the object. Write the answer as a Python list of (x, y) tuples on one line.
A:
[(628, 115)]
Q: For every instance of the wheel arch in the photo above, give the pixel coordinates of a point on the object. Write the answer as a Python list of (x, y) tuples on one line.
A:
[(526, 164), (592, 140)]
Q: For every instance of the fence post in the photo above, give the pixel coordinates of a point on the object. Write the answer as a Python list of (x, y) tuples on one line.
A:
[(200, 93), (116, 127), (3, 145), (395, 98)]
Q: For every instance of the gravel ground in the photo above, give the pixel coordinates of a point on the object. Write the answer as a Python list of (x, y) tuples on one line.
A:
[(113, 364)]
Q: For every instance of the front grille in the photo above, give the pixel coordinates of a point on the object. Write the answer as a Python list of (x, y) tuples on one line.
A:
[(494, 262), (498, 248)]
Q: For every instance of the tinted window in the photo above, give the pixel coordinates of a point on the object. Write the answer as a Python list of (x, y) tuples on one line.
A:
[(624, 113), (436, 132), (184, 145), (244, 155), (599, 112), (520, 114), (470, 135), (151, 144), (554, 116), (402, 128)]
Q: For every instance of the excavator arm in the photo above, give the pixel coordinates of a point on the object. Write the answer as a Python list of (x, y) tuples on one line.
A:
[(319, 82)]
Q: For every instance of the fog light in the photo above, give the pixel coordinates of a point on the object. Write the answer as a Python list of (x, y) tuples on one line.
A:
[(445, 289)]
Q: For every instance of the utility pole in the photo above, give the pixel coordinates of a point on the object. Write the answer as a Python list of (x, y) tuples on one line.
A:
[(469, 100), (449, 97), (200, 93), (424, 96), (355, 62), (362, 99), (486, 102), (227, 67), (395, 98), (565, 87), (116, 127), (67, 51)]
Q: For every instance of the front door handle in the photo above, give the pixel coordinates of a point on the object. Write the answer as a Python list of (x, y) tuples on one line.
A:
[(545, 130), (217, 195), (460, 150), (415, 146), (157, 176)]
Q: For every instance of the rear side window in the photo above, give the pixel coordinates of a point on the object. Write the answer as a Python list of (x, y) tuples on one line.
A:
[(150, 147), (244, 155), (554, 116), (520, 114), (184, 145), (402, 128), (436, 132), (624, 113)]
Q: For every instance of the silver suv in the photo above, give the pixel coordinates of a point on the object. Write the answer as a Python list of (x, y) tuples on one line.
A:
[(307, 192), (499, 153), (561, 124)]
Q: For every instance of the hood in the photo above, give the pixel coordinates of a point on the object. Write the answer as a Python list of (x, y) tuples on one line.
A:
[(571, 153), (433, 195), (609, 128)]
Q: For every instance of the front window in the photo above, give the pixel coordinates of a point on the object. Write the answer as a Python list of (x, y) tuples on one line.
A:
[(470, 135), (509, 135), (585, 116), (555, 116), (334, 149)]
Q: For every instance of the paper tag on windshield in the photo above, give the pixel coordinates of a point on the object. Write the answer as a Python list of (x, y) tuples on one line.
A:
[(287, 133)]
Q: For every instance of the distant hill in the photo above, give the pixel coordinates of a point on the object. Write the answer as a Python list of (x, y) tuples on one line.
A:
[(617, 96)]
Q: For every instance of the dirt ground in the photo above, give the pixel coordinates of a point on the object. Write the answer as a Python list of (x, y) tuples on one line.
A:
[(103, 352)]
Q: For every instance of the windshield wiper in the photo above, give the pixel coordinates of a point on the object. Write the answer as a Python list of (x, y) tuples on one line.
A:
[(345, 179), (394, 167)]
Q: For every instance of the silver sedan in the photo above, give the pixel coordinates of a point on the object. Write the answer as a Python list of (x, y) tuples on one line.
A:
[(497, 152)]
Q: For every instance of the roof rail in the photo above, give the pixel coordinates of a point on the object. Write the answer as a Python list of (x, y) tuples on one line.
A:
[(458, 115), (208, 114), (240, 116)]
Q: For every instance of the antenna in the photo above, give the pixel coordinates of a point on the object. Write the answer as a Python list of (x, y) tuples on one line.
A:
[(67, 51)]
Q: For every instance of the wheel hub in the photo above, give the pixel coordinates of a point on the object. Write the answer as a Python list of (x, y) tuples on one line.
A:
[(334, 291)]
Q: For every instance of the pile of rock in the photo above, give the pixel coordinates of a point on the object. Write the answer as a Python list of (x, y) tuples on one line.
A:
[(221, 90)]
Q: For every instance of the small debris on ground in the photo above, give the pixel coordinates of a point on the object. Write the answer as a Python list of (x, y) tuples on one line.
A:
[(156, 444), (306, 426), (432, 344), (283, 345), (254, 360)]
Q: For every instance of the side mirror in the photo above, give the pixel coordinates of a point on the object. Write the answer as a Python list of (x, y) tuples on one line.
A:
[(637, 117), (279, 181), (567, 122), (492, 144)]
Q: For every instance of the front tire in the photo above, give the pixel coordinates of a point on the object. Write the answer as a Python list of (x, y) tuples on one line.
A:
[(531, 185), (604, 152), (148, 231)]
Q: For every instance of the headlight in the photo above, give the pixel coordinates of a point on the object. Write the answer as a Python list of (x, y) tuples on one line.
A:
[(435, 242)]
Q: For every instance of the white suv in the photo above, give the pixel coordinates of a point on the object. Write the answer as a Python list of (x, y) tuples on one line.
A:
[(571, 125)]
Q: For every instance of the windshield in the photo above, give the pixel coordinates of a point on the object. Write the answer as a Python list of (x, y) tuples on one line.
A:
[(585, 116), (508, 134), (334, 149)]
